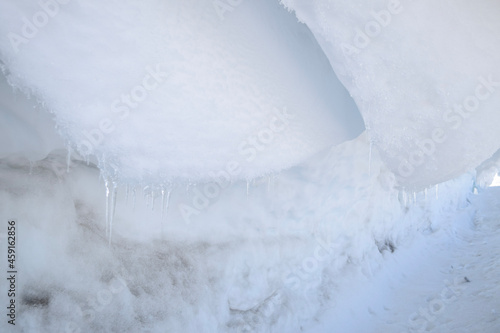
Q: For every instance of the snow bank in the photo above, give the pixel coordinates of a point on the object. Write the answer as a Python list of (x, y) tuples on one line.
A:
[(425, 76), (170, 94), (267, 257), (150, 89)]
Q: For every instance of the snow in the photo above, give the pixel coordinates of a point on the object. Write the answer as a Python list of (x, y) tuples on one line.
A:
[(218, 166), (28, 130), (445, 282), (165, 82), (270, 260), (496, 181), (427, 88)]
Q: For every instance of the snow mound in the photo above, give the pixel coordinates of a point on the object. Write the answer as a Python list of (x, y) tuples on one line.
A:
[(150, 89), (425, 76)]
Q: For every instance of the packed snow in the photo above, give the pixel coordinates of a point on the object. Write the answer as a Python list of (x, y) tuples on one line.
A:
[(251, 166)]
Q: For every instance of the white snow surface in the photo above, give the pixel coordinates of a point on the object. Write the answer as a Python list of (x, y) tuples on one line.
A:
[(424, 75), (445, 282), (267, 258), (150, 88), (244, 199)]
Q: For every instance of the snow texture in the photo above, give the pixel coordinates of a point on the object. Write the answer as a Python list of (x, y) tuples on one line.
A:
[(216, 180), (268, 260), (150, 89), (424, 75)]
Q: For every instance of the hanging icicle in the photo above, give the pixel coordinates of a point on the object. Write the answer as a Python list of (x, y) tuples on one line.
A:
[(133, 197), (153, 198), (68, 160), (111, 189), (165, 198), (146, 193), (165, 202), (370, 159), (126, 193)]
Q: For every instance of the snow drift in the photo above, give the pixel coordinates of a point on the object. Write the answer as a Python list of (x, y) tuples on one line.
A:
[(178, 90), (162, 96), (425, 76), (183, 77)]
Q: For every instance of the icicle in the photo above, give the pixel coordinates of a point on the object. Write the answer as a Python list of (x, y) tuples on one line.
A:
[(165, 199), (145, 192), (126, 193), (111, 187), (153, 197), (268, 183), (415, 197), (107, 206), (437, 191), (133, 197), (370, 160), (162, 203), (68, 160), (248, 187)]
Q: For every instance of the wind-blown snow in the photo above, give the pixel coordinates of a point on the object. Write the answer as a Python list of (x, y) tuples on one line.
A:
[(424, 74)]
